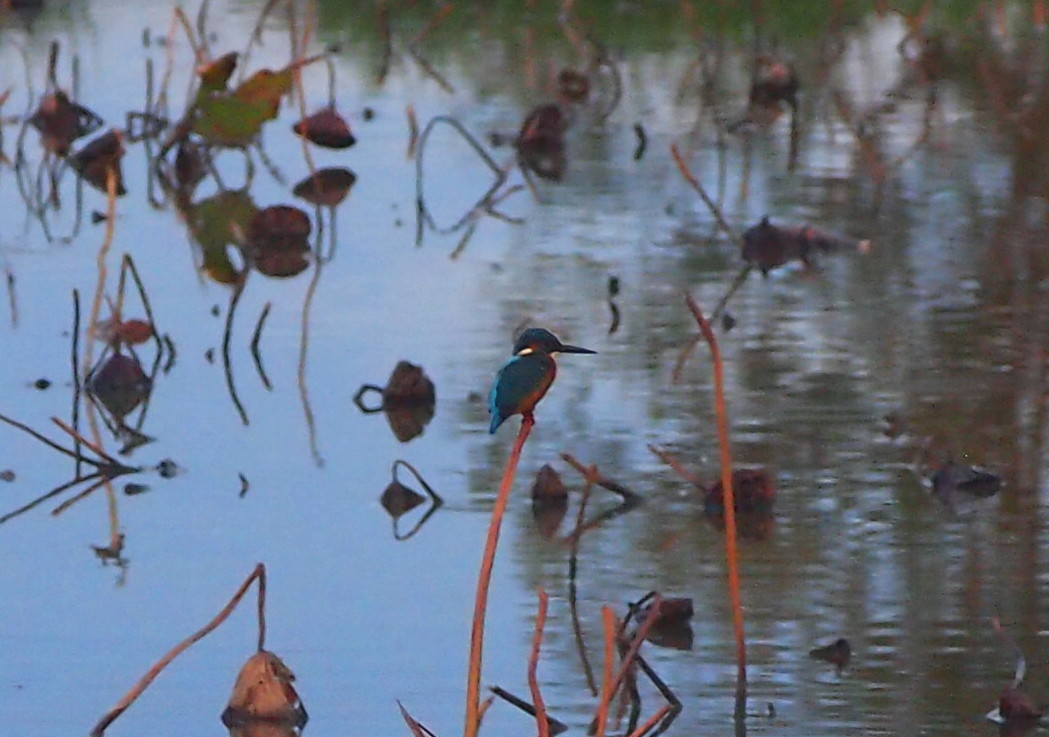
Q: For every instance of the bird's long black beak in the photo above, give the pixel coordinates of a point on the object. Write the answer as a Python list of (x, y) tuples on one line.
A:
[(573, 349)]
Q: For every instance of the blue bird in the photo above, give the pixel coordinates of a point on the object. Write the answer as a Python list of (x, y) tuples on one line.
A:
[(524, 379)]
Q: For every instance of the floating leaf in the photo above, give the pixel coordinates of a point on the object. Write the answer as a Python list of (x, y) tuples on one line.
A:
[(325, 128), (190, 167), (952, 477), (670, 610), (119, 384), (129, 332), (61, 121), (133, 332), (217, 223), (548, 485), (541, 143), (216, 73), (327, 187), (549, 501), (265, 86), (398, 499), (234, 119), (408, 384), (408, 399), (769, 246), (94, 162), (753, 496), (838, 653), (671, 626), (277, 240), (1016, 706)]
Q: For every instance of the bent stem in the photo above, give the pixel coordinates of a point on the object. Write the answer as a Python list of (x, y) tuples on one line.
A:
[(542, 724), (473, 677), (731, 555), (258, 574)]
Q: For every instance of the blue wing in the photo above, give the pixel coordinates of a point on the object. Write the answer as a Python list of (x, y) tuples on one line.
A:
[(519, 386)]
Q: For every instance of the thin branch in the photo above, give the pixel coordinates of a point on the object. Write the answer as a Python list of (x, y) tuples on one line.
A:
[(675, 464), (255, 338), (79, 496), (719, 218), (48, 442), (49, 495), (573, 570)]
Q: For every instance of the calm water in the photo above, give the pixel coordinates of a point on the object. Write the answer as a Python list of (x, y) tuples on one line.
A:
[(944, 323)]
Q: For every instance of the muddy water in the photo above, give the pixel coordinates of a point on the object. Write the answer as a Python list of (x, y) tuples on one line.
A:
[(942, 325)]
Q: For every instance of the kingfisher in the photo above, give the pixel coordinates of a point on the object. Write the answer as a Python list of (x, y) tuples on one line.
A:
[(524, 379)]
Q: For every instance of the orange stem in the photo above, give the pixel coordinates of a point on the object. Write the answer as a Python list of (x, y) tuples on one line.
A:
[(651, 722), (611, 627), (533, 663), (473, 677), (731, 554)]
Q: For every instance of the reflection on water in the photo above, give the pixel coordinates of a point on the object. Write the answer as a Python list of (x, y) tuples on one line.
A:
[(920, 134)]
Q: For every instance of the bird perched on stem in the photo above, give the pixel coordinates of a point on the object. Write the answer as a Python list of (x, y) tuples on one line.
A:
[(524, 379)]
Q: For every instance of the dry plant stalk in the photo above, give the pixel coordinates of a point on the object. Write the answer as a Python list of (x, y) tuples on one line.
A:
[(611, 627), (719, 218), (610, 686), (541, 721), (143, 683), (731, 554), (652, 721), (473, 676)]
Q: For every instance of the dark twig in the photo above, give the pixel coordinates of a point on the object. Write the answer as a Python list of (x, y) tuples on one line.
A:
[(675, 464), (719, 218), (84, 494), (51, 495), (573, 569), (50, 443), (255, 338), (11, 299), (109, 461), (555, 727), (74, 360), (630, 500), (227, 334)]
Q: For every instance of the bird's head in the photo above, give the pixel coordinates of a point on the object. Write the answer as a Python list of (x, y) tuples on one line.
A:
[(541, 340)]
